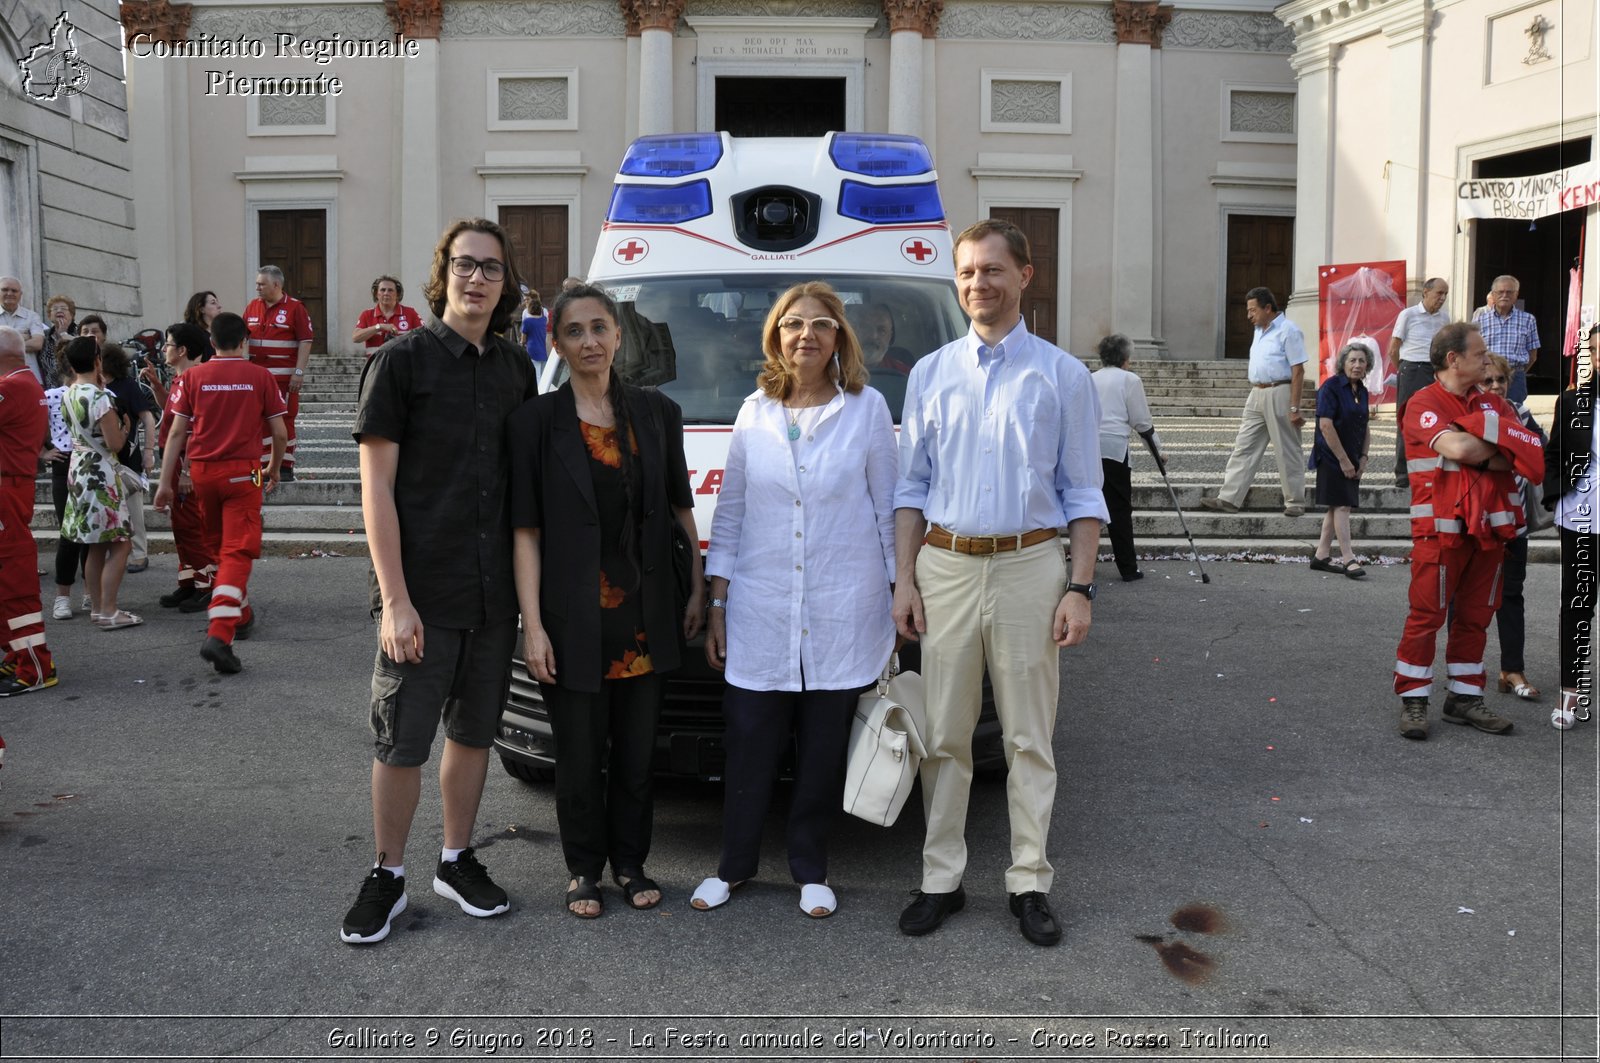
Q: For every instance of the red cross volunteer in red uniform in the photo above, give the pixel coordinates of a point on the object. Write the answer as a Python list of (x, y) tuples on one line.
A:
[(230, 403), (387, 317), (1463, 447), (24, 422), (197, 554), (280, 340)]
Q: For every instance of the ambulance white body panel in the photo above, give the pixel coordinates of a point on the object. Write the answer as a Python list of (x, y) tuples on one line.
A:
[(705, 231)]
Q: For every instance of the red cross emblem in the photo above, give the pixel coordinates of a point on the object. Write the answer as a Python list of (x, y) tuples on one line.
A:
[(918, 252), (629, 250)]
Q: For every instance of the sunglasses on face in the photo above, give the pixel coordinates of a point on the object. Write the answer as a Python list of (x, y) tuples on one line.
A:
[(1495, 380)]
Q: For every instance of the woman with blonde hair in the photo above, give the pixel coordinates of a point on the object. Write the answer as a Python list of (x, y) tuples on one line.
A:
[(801, 563)]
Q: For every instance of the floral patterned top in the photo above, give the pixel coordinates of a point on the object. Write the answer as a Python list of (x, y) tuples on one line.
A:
[(623, 650), (97, 510)]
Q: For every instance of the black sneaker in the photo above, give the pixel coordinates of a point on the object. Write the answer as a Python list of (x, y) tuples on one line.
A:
[(286, 474), (177, 597), (382, 897), (10, 685), (221, 656), (467, 882), (198, 603)]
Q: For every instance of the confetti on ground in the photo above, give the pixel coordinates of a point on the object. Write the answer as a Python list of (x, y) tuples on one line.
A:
[(138, 680), (1465, 911), (1277, 799), (1272, 747), (1511, 933), (1272, 699), (1302, 610), (1304, 820), (1261, 824)]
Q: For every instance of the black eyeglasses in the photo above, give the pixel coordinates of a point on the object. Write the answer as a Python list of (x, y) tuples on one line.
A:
[(466, 266)]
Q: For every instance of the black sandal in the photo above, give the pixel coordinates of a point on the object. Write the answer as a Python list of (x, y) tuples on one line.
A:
[(585, 890), (635, 884)]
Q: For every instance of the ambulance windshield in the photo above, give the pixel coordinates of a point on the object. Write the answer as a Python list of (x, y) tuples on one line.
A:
[(699, 338)]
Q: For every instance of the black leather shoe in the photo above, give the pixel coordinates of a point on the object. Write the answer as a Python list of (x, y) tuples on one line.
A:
[(929, 911), (1033, 912)]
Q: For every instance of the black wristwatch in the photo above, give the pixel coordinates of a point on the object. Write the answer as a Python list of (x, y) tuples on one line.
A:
[(1088, 590)]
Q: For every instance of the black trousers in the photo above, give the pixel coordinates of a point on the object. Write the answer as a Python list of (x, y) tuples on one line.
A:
[(1578, 576), (605, 796), (1118, 490), (70, 556), (759, 726), (1509, 620), (1413, 377)]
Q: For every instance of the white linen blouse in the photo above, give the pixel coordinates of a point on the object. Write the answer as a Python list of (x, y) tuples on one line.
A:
[(805, 539)]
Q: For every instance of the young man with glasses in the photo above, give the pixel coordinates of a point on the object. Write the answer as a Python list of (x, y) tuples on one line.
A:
[(431, 428), (197, 558)]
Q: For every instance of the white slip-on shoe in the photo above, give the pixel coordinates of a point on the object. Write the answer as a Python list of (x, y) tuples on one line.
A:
[(817, 900), (711, 893)]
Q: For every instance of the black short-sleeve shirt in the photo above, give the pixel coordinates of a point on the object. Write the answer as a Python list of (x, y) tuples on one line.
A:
[(446, 403)]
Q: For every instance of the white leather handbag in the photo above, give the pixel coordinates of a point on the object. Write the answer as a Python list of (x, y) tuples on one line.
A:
[(886, 746)]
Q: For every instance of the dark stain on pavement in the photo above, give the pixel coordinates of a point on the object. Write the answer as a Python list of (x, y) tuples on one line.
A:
[(1199, 919), (30, 840), (1185, 963), (515, 833)]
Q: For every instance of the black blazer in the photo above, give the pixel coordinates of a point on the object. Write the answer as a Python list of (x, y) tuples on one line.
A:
[(552, 489), (1566, 459)]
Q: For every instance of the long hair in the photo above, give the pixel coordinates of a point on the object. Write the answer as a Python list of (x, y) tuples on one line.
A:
[(196, 307), (777, 378), (617, 395), (437, 288)]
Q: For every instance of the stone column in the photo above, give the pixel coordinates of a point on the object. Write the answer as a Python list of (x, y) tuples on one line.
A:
[(630, 93), (910, 22), (158, 143), (420, 218), (658, 20), (1314, 65), (1405, 221), (1135, 178)]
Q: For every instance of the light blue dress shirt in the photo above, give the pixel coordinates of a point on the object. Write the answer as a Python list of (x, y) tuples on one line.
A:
[(1002, 440), (1275, 351)]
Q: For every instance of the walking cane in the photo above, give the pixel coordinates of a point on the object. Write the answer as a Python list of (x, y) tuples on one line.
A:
[(1148, 438)]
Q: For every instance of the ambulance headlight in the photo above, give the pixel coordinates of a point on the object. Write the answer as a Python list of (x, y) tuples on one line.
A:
[(659, 204), (890, 204), (672, 156), (880, 154)]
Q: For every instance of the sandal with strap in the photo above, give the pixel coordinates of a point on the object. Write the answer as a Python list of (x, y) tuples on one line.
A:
[(120, 619), (1325, 564), (1517, 683), (632, 883), (712, 893), (1354, 570), (585, 890)]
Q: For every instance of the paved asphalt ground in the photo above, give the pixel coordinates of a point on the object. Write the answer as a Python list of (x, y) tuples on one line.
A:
[(1246, 850)]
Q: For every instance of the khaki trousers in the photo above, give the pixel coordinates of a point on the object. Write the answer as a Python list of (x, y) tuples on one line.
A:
[(1266, 417), (997, 609)]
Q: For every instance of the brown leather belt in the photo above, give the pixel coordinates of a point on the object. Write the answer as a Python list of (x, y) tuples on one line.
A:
[(980, 545), (1274, 384)]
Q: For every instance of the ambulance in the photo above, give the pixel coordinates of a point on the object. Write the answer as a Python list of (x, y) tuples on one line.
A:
[(704, 232)]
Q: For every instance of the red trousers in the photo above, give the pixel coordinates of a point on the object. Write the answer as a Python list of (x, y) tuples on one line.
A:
[(23, 619), (292, 400), (230, 502), (197, 560), (1463, 583)]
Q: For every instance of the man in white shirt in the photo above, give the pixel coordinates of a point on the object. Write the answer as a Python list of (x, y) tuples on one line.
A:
[(14, 315), (1123, 410), (1271, 412), (999, 450), (1413, 335)]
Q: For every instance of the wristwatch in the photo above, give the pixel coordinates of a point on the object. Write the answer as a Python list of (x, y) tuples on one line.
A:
[(1088, 590), (299, 372), (719, 603)]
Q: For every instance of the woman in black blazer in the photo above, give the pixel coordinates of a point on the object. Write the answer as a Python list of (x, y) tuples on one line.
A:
[(1570, 490), (593, 546)]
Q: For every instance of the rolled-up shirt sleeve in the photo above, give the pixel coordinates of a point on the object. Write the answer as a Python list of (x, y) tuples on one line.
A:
[(916, 462), (1079, 476)]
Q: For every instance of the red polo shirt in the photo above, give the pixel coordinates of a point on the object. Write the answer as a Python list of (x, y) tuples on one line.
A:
[(276, 333), (229, 403), (403, 319), (24, 420)]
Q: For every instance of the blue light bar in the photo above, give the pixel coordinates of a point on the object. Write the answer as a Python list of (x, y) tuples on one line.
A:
[(660, 204), (672, 156), (880, 154), (890, 204)]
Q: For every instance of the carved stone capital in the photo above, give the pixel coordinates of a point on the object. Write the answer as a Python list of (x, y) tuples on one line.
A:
[(915, 16), (659, 14), (156, 20), (630, 16), (1140, 21), (417, 19)]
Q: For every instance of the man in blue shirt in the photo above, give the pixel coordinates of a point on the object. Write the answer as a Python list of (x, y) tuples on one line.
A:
[(1511, 333), (1271, 411), (999, 450)]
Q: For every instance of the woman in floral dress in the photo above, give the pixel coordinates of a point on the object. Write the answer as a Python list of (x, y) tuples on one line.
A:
[(96, 513)]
